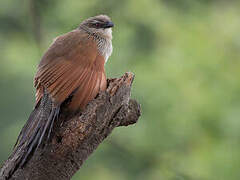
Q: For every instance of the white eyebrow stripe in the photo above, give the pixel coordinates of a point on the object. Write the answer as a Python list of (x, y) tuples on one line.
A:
[(96, 21)]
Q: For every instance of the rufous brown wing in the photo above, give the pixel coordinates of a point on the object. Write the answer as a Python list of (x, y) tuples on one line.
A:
[(72, 64)]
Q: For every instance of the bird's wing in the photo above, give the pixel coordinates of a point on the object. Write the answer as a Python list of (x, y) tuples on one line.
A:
[(68, 66), (94, 82)]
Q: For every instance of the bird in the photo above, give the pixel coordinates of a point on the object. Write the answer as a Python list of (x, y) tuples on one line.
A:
[(72, 70)]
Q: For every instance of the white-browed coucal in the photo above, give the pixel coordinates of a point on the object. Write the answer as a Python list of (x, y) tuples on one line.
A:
[(72, 69)]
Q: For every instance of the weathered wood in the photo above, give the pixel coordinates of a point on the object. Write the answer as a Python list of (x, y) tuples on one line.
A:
[(80, 134)]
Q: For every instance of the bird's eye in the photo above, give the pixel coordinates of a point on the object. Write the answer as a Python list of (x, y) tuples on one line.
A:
[(97, 24)]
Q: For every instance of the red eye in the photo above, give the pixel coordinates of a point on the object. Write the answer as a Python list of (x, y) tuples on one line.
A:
[(97, 24)]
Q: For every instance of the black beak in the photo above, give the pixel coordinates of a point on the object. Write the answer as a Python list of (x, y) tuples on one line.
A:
[(108, 25)]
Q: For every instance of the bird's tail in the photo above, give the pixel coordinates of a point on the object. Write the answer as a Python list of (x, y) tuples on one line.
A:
[(36, 131)]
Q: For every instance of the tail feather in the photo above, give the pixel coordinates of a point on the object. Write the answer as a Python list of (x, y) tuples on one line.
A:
[(56, 115), (29, 150), (22, 135), (35, 133), (48, 126)]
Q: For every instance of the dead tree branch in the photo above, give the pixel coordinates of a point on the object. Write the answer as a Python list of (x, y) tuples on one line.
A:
[(80, 134)]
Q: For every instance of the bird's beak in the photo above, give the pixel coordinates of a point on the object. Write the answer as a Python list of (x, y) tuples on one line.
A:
[(108, 25)]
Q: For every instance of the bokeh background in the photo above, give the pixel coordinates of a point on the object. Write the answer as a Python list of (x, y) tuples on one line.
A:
[(186, 58)]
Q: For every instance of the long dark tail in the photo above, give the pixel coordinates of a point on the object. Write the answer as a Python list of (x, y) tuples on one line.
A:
[(35, 133)]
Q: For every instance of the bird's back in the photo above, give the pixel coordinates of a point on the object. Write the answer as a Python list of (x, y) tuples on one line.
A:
[(72, 64)]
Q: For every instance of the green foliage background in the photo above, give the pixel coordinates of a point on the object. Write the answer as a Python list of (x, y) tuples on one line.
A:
[(185, 55)]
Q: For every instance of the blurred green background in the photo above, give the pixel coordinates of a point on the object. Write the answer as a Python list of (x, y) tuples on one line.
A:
[(186, 58)]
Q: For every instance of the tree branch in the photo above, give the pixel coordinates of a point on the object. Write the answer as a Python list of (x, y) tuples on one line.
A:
[(79, 135)]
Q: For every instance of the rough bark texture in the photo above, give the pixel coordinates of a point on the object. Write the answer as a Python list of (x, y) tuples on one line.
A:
[(80, 134)]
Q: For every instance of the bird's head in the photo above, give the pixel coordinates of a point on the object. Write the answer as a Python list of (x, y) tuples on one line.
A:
[(101, 25)]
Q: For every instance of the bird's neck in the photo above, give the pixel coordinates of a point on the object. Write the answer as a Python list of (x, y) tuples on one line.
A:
[(104, 47), (104, 41)]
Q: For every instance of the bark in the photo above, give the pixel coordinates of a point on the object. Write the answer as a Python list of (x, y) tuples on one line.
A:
[(80, 134)]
